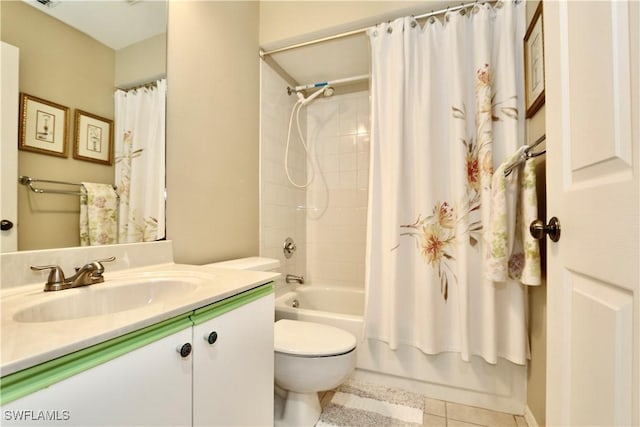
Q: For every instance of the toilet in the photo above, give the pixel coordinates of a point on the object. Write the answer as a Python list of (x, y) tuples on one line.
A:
[(309, 357)]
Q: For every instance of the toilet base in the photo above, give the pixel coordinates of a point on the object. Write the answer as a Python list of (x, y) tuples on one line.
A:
[(300, 409)]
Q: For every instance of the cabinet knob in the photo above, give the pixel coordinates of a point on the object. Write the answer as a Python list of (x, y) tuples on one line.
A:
[(212, 337), (5, 225), (184, 349)]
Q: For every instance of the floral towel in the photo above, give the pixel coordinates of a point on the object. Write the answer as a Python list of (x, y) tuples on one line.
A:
[(98, 215), (511, 251)]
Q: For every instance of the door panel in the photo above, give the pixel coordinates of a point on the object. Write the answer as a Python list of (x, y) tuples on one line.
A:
[(601, 348), (591, 54), (9, 146)]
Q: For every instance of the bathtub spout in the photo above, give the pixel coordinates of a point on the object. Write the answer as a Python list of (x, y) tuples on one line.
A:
[(291, 278)]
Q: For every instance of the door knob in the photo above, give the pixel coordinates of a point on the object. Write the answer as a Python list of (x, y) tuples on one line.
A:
[(538, 229)]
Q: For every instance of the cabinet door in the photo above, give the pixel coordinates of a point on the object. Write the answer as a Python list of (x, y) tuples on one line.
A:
[(233, 377), (148, 386)]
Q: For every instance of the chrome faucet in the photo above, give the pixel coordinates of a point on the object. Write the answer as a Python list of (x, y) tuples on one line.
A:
[(292, 278), (88, 274)]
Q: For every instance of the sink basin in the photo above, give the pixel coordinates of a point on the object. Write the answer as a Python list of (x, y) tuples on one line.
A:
[(103, 299)]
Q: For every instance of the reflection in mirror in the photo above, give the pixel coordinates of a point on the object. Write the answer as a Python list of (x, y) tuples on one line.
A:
[(66, 66)]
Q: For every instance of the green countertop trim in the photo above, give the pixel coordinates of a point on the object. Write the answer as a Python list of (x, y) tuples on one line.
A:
[(30, 380), (203, 314)]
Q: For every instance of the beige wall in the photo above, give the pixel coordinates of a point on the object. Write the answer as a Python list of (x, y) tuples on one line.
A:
[(62, 65), (536, 374), (283, 22), (212, 130), (141, 62)]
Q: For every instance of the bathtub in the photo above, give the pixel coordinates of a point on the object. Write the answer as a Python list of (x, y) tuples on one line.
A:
[(341, 307)]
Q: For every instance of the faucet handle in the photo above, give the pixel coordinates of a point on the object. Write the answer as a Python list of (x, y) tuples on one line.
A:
[(56, 275), (98, 268)]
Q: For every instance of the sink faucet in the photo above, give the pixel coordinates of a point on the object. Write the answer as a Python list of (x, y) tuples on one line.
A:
[(292, 278), (88, 274)]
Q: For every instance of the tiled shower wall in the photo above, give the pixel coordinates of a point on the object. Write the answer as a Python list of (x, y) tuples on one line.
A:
[(279, 217), (328, 219), (338, 127)]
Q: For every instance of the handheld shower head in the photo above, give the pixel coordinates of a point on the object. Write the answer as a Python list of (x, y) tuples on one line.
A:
[(325, 90)]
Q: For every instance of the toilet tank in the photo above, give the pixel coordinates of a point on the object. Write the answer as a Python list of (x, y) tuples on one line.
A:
[(251, 263)]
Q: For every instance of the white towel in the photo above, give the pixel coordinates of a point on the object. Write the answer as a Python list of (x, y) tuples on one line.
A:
[(512, 253), (98, 215)]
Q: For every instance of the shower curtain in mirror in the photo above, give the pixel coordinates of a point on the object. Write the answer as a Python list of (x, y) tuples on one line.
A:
[(446, 108), (140, 162)]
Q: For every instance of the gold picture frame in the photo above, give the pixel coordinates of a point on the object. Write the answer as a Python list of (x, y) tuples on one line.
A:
[(534, 63), (93, 140), (43, 126)]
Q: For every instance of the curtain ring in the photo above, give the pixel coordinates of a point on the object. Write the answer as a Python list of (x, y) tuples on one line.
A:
[(413, 24), (389, 30)]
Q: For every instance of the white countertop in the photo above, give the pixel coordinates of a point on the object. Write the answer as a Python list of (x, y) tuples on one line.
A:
[(26, 344)]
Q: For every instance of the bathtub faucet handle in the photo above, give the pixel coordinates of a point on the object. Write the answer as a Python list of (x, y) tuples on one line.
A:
[(292, 278)]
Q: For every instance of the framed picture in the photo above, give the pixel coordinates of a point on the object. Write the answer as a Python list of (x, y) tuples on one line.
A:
[(93, 139), (43, 126), (534, 64)]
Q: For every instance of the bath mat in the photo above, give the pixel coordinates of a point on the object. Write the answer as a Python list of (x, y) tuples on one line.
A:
[(360, 404)]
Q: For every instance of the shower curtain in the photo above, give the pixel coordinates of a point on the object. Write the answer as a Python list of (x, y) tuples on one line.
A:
[(446, 108), (140, 162)]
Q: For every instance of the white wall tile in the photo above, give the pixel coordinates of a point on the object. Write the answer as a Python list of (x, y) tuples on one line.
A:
[(327, 220)]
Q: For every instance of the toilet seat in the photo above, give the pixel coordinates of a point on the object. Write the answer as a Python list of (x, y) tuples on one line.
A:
[(308, 339)]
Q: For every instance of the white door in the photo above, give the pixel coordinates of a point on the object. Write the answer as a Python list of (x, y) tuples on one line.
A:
[(592, 110), (9, 147)]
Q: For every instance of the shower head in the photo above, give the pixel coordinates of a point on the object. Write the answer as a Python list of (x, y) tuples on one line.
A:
[(325, 90)]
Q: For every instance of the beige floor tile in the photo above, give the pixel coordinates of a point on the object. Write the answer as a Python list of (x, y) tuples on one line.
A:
[(456, 423), (326, 398), (479, 416), (434, 421), (521, 422), (435, 407)]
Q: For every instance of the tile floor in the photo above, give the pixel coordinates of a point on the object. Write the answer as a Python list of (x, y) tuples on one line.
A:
[(438, 413)]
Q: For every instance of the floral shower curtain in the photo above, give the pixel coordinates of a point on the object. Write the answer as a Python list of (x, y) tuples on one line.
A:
[(140, 162), (446, 108)]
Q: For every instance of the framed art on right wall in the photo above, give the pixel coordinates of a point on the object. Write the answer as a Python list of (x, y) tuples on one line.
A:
[(534, 64)]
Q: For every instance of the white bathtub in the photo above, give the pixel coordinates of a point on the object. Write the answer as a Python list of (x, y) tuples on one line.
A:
[(341, 307)]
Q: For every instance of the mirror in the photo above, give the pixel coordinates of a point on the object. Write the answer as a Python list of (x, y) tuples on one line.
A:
[(75, 54)]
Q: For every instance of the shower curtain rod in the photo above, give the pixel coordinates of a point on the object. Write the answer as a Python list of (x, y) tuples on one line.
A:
[(146, 85), (363, 30)]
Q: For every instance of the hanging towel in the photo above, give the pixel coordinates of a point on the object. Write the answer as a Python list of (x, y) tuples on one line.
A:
[(98, 215), (512, 253)]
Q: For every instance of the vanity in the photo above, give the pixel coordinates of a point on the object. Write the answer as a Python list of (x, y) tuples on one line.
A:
[(157, 343)]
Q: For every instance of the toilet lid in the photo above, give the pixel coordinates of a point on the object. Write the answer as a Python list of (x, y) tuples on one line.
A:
[(311, 339)]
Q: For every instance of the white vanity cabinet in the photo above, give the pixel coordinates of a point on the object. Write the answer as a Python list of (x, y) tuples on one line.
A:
[(233, 365), (147, 386), (142, 379)]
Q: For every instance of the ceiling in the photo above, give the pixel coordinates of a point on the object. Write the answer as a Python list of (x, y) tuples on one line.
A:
[(336, 59), (114, 23)]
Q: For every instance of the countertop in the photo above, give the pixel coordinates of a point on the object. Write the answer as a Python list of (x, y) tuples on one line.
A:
[(26, 344)]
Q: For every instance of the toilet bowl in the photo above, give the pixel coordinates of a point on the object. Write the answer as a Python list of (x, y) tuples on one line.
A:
[(309, 357)]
